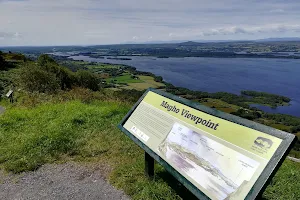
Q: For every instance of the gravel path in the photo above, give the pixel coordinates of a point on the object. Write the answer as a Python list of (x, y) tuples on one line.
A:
[(61, 182)]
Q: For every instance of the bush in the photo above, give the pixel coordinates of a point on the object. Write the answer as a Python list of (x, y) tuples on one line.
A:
[(64, 75), (295, 129), (1, 90), (87, 79), (3, 64), (44, 60), (34, 79), (158, 79), (47, 76), (247, 114)]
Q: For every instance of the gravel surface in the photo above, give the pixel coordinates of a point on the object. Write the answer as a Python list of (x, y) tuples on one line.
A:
[(61, 182)]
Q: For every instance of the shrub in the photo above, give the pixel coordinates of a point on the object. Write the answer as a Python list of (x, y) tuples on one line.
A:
[(1, 90), (3, 64), (64, 75), (44, 60), (87, 79), (34, 79), (158, 79)]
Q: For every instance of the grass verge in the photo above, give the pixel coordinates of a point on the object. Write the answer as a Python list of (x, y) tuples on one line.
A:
[(87, 132)]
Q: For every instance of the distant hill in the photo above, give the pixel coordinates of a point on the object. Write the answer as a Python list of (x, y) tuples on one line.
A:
[(287, 39), (189, 43)]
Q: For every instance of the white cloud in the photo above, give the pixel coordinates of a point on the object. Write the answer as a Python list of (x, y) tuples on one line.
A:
[(17, 35), (277, 11), (252, 29), (63, 22), (236, 31), (10, 35)]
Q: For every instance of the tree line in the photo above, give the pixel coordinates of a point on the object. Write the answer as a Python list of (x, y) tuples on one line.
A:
[(46, 76)]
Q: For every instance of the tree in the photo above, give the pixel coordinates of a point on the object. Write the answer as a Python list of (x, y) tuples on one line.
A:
[(1, 90), (87, 79), (34, 79), (45, 59), (3, 64), (295, 129), (134, 77), (158, 79), (64, 75)]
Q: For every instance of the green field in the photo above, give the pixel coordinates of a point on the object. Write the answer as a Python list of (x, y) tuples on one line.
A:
[(102, 66), (219, 105), (123, 79), (126, 78), (146, 82), (142, 83), (53, 129), (280, 126)]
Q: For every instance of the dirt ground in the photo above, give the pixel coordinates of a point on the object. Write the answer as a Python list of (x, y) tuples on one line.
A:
[(59, 181)]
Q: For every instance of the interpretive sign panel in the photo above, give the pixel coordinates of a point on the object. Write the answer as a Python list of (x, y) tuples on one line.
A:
[(214, 154)]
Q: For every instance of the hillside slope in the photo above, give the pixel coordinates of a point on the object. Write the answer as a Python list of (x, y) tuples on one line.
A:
[(86, 131)]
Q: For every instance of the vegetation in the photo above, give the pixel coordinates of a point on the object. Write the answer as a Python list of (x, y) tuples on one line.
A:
[(117, 76), (7, 70), (47, 76), (264, 97), (146, 82), (247, 114), (245, 100), (287, 174), (158, 79), (4, 65), (57, 128), (87, 79), (63, 115), (33, 78), (125, 78)]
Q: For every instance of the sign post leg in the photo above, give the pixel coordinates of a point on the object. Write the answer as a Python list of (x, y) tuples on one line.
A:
[(149, 166)]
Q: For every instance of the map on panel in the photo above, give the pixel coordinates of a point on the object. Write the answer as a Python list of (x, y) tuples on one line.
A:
[(210, 163)]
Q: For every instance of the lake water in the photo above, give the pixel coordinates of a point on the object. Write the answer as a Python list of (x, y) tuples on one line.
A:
[(277, 76)]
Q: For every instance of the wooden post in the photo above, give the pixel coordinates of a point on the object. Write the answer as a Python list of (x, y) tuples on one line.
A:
[(259, 196), (149, 166), (12, 98)]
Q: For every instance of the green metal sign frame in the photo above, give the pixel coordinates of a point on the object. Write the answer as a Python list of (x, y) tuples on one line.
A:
[(288, 140)]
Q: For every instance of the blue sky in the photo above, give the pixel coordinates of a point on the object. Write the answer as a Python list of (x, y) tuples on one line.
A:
[(84, 22)]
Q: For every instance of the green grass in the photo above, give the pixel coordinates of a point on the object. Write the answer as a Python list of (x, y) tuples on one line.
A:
[(286, 183), (83, 132), (220, 105), (87, 132), (126, 78), (280, 126), (31, 138), (146, 82), (78, 62), (102, 66)]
